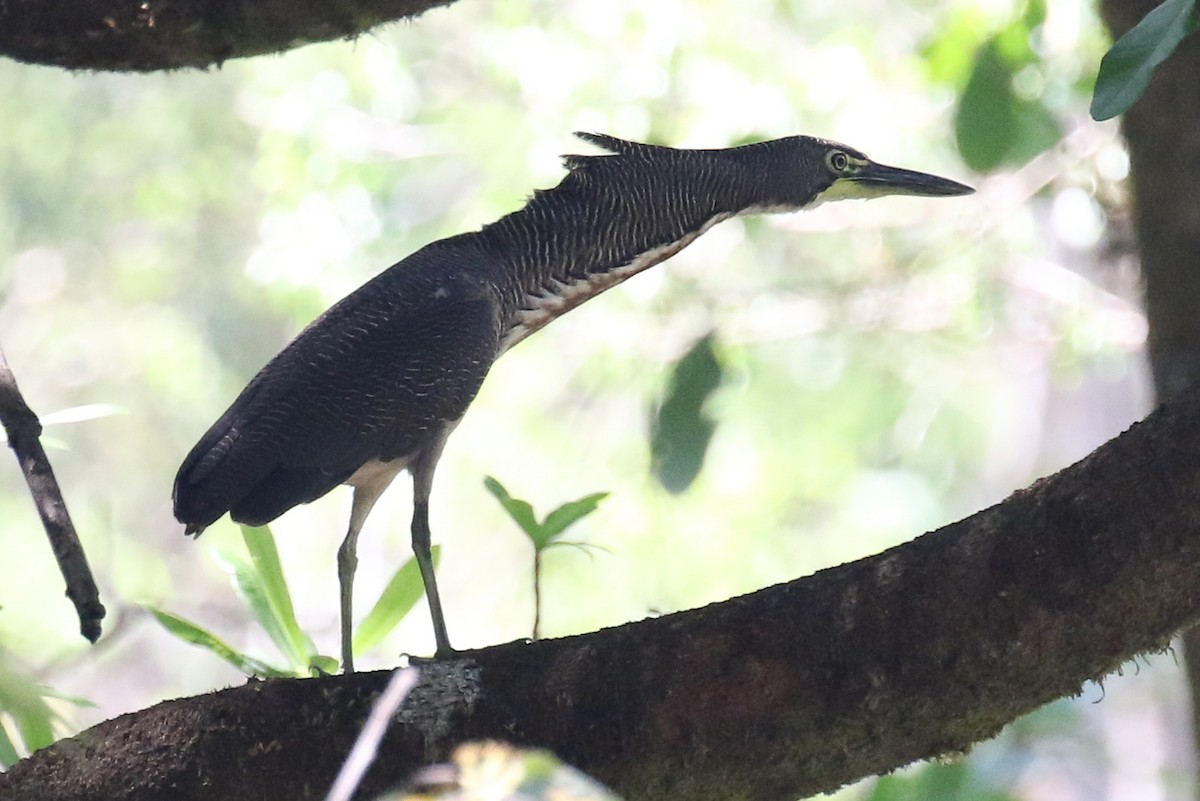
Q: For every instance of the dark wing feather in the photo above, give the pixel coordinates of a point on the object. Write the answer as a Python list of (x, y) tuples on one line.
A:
[(280, 490), (378, 376)]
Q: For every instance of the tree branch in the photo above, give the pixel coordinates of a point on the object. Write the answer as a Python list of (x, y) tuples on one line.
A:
[(146, 35), (1162, 134), (793, 690), (24, 430)]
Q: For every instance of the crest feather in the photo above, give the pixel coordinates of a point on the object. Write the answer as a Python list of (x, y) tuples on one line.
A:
[(614, 146)]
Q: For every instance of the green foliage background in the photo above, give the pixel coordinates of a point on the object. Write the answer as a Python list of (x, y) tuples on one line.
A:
[(886, 367)]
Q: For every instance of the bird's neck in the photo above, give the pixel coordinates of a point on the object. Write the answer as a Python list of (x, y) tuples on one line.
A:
[(610, 218)]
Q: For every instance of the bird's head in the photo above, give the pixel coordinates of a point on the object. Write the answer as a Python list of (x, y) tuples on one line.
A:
[(804, 172)]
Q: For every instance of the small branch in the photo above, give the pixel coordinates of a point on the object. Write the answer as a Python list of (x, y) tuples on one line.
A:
[(24, 430), (147, 35)]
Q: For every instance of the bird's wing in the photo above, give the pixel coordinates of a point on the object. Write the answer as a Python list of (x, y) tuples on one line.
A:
[(379, 376)]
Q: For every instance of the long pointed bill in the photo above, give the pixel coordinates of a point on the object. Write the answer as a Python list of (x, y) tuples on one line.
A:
[(876, 180)]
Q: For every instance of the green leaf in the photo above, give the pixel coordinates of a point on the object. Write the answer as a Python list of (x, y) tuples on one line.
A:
[(1037, 132), (72, 414), (8, 751), (251, 588), (519, 511), (27, 722), (324, 665), (397, 600), (261, 585), (564, 517), (191, 633), (36, 728), (993, 126), (81, 414), (261, 545), (1125, 70), (75, 700), (680, 430), (21, 699), (985, 121)]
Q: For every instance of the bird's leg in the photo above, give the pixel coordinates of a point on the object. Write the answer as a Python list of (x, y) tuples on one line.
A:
[(347, 564), (422, 473), (364, 499), (421, 549)]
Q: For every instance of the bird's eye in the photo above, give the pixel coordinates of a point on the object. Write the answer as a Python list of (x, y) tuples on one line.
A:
[(838, 161)]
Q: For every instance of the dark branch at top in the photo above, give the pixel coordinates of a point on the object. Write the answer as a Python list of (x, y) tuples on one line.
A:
[(148, 35)]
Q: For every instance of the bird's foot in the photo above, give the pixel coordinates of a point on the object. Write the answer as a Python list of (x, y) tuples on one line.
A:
[(440, 657)]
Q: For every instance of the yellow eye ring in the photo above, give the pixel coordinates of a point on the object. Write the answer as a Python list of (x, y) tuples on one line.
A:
[(837, 161)]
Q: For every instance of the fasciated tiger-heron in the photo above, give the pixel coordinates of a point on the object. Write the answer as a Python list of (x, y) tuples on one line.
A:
[(376, 384)]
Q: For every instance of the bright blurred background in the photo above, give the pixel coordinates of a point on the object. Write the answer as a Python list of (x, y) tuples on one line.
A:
[(887, 367)]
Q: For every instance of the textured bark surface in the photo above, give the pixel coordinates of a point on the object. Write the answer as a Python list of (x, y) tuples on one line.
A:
[(145, 35), (1162, 132), (793, 690)]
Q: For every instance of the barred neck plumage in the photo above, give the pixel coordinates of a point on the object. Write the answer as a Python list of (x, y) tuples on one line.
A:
[(611, 217)]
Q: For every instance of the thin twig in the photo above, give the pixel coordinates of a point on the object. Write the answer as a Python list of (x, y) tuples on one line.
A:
[(23, 430), (367, 745)]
